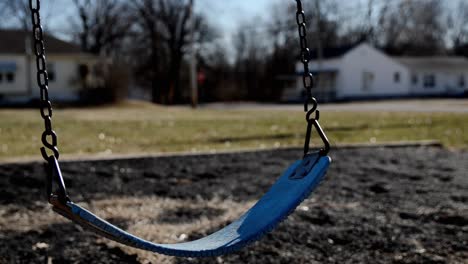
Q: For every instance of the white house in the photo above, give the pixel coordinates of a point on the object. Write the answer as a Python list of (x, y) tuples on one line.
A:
[(362, 71), (67, 66), (436, 75)]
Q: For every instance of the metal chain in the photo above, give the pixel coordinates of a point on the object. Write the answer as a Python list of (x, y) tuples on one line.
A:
[(308, 82), (43, 82)]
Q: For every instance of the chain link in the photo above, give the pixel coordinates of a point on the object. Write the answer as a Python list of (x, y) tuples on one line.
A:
[(49, 137), (310, 103)]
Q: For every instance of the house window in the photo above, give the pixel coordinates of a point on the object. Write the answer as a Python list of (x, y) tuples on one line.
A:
[(83, 71), (396, 77), (462, 81), (51, 72), (367, 81), (414, 79), (10, 77), (429, 81)]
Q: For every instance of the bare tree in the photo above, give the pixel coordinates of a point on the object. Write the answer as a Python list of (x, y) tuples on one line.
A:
[(413, 28), (16, 14), (165, 25), (252, 46), (174, 20), (458, 23), (3, 12), (214, 65), (149, 54), (102, 25), (364, 28)]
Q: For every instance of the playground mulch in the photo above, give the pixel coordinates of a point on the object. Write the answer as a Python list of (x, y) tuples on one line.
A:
[(377, 205)]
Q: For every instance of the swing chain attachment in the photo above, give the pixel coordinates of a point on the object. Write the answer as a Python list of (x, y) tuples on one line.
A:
[(310, 103), (60, 195), (49, 137)]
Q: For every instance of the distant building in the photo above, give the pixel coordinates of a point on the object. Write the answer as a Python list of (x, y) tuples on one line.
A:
[(364, 72), (69, 68)]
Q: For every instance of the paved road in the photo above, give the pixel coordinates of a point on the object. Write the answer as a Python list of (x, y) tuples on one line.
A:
[(440, 105)]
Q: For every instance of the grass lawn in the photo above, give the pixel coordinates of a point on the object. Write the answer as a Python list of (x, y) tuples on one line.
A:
[(144, 128)]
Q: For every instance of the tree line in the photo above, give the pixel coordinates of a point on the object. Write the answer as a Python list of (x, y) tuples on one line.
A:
[(152, 39)]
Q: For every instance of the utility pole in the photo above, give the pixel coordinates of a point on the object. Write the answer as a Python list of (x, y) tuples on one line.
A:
[(319, 44), (193, 58), (27, 44)]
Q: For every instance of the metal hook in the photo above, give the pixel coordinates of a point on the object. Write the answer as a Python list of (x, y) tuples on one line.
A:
[(326, 149), (55, 174)]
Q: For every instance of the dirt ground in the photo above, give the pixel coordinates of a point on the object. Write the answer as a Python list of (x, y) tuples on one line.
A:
[(377, 205)]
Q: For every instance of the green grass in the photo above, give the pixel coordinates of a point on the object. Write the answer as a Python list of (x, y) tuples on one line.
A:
[(143, 128)]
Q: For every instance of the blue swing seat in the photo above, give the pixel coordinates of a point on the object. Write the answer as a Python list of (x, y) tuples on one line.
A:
[(285, 195)]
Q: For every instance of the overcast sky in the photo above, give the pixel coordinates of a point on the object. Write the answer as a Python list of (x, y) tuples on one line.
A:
[(231, 13), (228, 14), (225, 15)]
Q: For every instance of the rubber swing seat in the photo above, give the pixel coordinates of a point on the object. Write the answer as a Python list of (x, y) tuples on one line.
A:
[(295, 185)]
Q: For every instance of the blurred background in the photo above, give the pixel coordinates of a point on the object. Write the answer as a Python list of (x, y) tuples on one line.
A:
[(119, 54), (159, 50)]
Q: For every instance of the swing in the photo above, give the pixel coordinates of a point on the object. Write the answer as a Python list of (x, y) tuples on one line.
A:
[(295, 185)]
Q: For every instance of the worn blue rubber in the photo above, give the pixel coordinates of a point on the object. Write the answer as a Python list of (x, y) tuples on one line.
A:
[(285, 195)]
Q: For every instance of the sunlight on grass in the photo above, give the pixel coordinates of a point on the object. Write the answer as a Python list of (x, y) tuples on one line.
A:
[(132, 129)]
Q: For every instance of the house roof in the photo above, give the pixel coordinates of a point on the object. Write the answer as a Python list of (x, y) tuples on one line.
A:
[(435, 62), (334, 52), (15, 41)]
